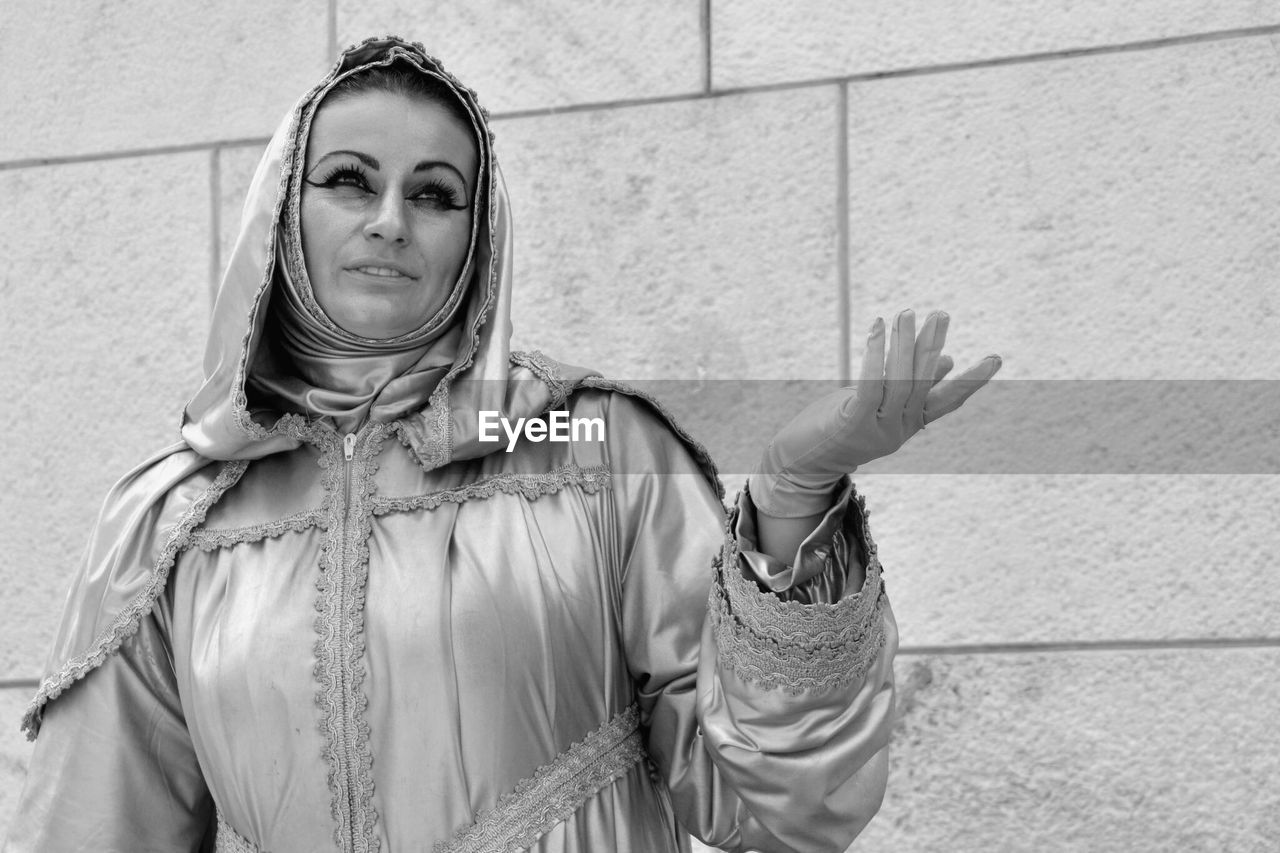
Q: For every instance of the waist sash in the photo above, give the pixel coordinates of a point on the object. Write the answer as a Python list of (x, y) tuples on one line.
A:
[(539, 802)]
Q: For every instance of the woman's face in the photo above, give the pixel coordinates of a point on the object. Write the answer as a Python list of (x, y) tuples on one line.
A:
[(386, 210)]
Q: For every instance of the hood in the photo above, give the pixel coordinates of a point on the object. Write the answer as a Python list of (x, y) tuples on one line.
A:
[(223, 420)]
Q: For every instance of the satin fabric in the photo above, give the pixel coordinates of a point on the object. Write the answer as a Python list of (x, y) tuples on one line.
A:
[(497, 628), (361, 642), (309, 365)]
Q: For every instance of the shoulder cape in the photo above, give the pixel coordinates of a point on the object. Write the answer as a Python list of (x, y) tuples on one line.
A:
[(149, 515)]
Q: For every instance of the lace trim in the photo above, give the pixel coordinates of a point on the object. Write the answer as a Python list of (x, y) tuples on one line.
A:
[(211, 540), (126, 622), (788, 644), (438, 65), (339, 649), (431, 444), (555, 791), (545, 369), (228, 840), (530, 486)]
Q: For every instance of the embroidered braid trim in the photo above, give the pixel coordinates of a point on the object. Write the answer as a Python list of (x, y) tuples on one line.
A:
[(211, 540), (777, 643), (545, 369), (339, 649), (530, 486), (430, 437), (126, 623), (555, 791)]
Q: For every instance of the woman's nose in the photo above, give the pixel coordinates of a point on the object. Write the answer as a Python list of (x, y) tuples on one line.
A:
[(387, 221)]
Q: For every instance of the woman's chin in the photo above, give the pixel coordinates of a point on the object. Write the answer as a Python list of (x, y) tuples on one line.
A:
[(376, 310), (379, 331), (390, 324)]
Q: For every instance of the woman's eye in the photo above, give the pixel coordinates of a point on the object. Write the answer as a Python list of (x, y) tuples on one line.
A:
[(440, 196), (343, 177)]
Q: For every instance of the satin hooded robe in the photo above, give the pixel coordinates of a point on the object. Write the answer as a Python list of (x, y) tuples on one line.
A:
[(299, 640)]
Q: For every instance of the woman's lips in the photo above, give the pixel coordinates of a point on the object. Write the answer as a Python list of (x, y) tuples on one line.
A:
[(379, 268), (381, 272)]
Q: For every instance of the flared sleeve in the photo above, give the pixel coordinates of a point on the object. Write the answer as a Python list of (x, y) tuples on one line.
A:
[(766, 691), (114, 769)]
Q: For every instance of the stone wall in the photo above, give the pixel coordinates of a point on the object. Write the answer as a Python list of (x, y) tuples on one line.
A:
[(735, 189)]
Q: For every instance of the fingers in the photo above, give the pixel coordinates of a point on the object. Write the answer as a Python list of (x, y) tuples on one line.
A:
[(913, 374), (928, 347), (870, 388), (898, 372), (950, 395), (945, 363)]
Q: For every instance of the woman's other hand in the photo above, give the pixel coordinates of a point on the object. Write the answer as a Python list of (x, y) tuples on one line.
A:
[(893, 399)]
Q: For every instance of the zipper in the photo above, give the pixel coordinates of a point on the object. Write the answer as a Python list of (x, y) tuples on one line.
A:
[(344, 673)]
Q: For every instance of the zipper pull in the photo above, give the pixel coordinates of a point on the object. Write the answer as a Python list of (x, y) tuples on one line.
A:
[(349, 446)]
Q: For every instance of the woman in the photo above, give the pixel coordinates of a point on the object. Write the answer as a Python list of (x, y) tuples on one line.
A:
[(339, 616)]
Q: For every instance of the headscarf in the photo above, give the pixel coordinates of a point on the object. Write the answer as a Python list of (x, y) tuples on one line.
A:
[(272, 351)]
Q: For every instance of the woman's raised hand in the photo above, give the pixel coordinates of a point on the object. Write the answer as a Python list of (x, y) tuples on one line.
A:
[(892, 400)]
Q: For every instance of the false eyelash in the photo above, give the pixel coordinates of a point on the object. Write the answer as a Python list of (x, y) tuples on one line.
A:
[(447, 194), (330, 180)]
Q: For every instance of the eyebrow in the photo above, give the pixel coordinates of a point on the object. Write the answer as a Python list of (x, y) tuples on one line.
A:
[(422, 166)]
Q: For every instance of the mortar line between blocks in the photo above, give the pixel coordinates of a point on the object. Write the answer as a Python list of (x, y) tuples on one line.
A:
[(215, 223), (705, 22), (128, 153), (870, 76), (19, 683), (1138, 46), (1177, 644), (843, 297), (763, 88), (1173, 644)]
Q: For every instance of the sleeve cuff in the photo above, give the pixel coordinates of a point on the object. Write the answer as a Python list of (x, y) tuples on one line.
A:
[(825, 561), (800, 639)]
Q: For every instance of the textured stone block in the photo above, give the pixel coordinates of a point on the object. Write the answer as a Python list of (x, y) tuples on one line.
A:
[(104, 322), (528, 55), (135, 76), (1110, 751), (1100, 217), (685, 241), (236, 165), (1009, 559), (15, 752), (756, 42), (1100, 751), (688, 240)]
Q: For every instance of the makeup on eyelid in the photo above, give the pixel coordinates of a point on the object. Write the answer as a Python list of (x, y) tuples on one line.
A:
[(356, 179)]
